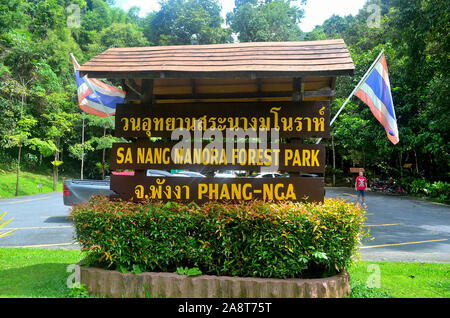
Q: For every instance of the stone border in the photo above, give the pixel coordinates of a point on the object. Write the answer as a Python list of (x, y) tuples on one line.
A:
[(171, 285)]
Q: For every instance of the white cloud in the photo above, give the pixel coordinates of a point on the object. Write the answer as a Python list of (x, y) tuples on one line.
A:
[(153, 5), (146, 6), (316, 11)]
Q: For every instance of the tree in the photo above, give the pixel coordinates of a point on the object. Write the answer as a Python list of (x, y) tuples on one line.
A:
[(188, 22), (94, 142), (60, 124), (117, 35), (269, 20), (21, 136)]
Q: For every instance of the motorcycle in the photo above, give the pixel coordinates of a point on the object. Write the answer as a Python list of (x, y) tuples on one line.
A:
[(396, 189), (378, 185)]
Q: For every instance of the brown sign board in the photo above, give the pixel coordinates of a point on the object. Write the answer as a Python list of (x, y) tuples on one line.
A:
[(291, 119), (185, 189), (142, 155), (356, 170)]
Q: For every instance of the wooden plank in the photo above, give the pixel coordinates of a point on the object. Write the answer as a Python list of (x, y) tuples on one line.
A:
[(316, 98), (294, 119), (236, 55), (320, 53), (169, 102), (210, 57), (234, 46), (207, 62), (217, 74), (227, 89), (200, 190), (194, 69), (326, 91), (276, 87), (243, 44), (356, 170), (161, 82), (173, 90), (243, 93), (204, 157), (238, 86), (310, 82), (340, 48)]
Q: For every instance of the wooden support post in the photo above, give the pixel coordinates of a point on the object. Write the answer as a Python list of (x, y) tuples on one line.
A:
[(194, 90), (333, 87), (298, 88), (132, 91), (147, 92), (259, 89), (148, 99), (334, 161)]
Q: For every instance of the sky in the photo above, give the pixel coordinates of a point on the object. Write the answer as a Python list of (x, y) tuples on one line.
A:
[(316, 11)]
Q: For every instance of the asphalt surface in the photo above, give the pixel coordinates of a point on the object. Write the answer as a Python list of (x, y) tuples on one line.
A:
[(401, 228), (41, 221)]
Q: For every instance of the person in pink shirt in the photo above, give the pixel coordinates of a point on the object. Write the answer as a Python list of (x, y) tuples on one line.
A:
[(360, 187)]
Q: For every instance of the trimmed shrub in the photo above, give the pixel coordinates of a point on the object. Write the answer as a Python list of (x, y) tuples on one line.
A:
[(252, 239)]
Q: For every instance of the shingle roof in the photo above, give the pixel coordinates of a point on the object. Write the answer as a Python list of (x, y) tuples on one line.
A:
[(255, 59)]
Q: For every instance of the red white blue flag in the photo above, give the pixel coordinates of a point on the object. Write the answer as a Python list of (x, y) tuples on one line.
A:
[(375, 91), (96, 97)]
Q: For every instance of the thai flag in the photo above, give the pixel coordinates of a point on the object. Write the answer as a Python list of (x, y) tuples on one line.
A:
[(96, 97), (375, 91)]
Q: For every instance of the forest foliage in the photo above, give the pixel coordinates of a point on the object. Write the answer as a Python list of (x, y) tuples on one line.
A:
[(38, 101)]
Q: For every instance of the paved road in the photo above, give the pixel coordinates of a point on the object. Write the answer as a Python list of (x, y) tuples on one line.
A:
[(42, 221), (403, 228)]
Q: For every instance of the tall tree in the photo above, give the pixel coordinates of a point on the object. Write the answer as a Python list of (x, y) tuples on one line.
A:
[(267, 20), (188, 22)]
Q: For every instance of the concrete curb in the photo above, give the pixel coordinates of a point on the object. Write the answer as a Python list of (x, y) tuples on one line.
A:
[(170, 285)]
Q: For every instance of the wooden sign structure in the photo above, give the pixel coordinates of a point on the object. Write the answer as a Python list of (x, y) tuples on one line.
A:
[(356, 170), (207, 91), (241, 120), (185, 189), (143, 155), (291, 119)]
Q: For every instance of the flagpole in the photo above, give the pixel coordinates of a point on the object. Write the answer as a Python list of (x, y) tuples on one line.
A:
[(73, 58), (82, 149), (355, 89)]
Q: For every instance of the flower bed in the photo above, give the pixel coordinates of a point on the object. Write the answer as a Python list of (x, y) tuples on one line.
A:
[(256, 239), (110, 283)]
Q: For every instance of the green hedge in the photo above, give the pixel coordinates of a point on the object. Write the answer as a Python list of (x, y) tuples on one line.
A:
[(255, 239), (437, 190)]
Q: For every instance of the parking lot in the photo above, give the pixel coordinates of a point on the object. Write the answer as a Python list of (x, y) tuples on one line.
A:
[(401, 228)]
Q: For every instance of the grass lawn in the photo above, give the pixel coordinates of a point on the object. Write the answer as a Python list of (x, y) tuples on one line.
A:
[(28, 182), (42, 273), (397, 279), (35, 272)]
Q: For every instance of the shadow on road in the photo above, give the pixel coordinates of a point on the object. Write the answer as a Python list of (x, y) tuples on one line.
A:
[(58, 219)]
